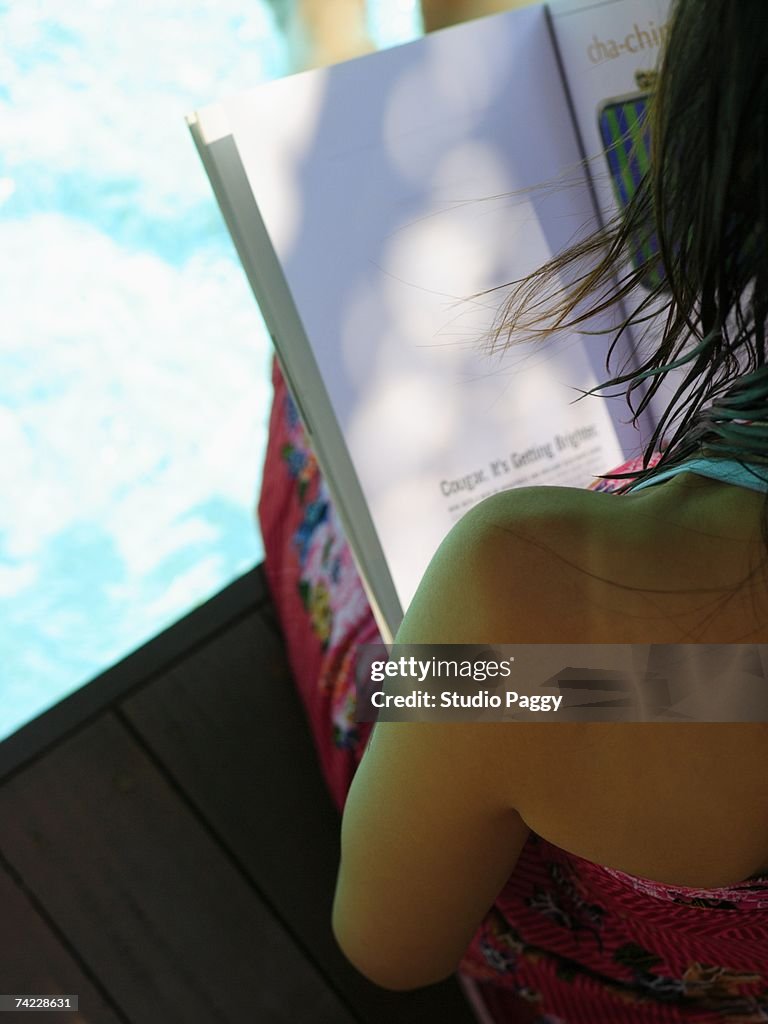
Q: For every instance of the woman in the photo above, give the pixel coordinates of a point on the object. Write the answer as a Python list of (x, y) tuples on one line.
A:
[(584, 873)]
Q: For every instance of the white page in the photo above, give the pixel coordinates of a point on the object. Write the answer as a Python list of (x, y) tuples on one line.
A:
[(373, 178)]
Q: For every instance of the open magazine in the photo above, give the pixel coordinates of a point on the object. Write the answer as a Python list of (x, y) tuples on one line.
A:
[(370, 200)]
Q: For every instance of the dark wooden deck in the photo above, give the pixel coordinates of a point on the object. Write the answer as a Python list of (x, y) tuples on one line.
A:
[(167, 847)]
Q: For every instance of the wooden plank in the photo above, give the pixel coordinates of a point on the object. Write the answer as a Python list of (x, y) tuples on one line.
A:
[(145, 894), (155, 656), (229, 727), (35, 962)]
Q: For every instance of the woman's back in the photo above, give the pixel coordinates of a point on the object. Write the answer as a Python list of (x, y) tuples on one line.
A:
[(666, 566), (644, 881)]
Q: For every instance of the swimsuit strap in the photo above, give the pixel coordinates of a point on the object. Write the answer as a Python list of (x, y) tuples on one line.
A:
[(730, 471)]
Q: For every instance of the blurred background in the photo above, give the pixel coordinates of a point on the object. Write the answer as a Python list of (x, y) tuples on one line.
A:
[(134, 364)]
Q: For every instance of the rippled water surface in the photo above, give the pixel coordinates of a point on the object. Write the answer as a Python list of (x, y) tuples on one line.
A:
[(133, 360)]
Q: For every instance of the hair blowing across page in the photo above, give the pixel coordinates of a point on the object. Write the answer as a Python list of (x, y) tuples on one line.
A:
[(705, 197)]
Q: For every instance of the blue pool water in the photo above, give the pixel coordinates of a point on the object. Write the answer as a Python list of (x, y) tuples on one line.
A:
[(133, 361)]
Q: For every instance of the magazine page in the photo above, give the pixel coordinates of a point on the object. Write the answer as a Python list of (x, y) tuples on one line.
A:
[(610, 51), (392, 189)]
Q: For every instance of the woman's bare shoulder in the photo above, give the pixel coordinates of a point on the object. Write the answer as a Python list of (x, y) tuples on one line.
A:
[(494, 575), (685, 564), (540, 561)]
